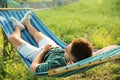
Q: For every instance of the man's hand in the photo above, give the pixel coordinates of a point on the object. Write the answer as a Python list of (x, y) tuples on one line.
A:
[(38, 59), (47, 47)]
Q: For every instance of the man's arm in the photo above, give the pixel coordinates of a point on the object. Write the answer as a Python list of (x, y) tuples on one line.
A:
[(104, 49), (39, 58)]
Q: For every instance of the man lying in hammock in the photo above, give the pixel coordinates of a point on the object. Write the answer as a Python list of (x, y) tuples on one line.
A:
[(48, 55)]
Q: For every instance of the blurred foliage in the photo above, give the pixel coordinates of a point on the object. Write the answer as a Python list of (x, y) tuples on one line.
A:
[(95, 20), (31, 0)]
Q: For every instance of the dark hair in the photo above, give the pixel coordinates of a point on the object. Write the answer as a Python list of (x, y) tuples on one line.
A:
[(81, 49)]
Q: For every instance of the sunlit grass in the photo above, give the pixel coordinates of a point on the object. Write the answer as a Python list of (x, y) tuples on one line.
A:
[(90, 20), (1, 41)]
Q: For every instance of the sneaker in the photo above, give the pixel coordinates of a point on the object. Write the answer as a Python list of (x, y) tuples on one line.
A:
[(17, 23), (26, 17)]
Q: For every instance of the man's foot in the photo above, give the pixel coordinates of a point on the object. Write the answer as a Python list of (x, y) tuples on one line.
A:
[(26, 17), (17, 23)]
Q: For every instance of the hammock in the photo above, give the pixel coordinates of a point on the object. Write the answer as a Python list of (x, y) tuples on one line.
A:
[(77, 67)]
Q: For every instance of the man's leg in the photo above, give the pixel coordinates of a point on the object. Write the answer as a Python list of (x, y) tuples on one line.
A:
[(15, 38), (33, 32), (39, 37), (24, 48)]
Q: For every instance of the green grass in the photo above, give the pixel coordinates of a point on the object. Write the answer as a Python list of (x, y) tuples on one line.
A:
[(85, 19), (95, 20), (1, 42)]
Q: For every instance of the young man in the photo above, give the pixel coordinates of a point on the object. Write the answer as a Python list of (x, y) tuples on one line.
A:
[(49, 55)]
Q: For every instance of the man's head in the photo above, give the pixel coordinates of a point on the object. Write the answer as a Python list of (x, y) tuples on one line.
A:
[(78, 50)]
